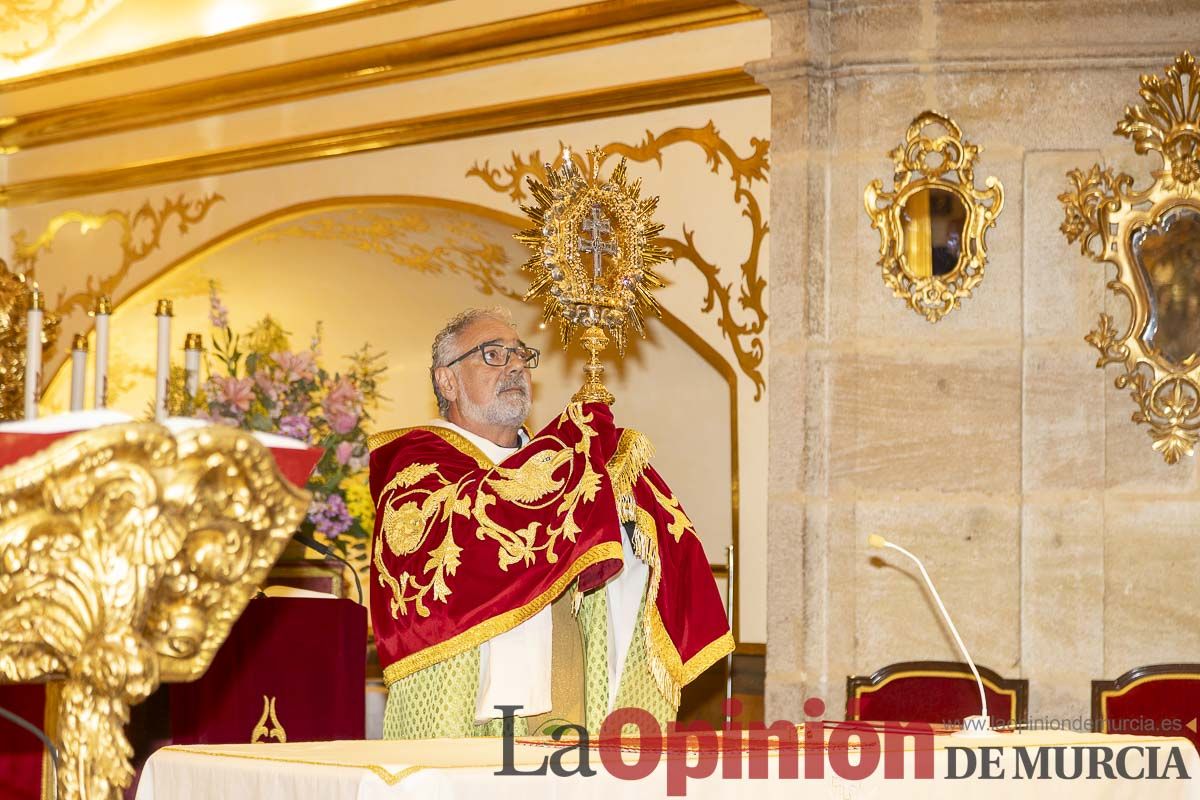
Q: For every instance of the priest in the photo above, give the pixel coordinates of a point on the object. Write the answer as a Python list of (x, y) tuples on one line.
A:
[(481, 525)]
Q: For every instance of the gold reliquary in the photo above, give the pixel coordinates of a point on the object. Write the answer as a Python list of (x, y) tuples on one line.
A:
[(932, 224), (1152, 237)]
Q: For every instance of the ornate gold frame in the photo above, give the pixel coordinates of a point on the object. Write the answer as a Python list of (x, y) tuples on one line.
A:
[(1103, 212), (933, 296)]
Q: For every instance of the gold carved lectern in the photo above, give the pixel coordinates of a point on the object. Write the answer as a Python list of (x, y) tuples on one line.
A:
[(126, 554)]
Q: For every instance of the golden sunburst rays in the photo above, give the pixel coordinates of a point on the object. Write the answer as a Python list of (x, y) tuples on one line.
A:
[(593, 253)]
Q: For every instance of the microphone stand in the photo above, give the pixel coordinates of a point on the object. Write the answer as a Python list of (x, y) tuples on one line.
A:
[(313, 544), (979, 724)]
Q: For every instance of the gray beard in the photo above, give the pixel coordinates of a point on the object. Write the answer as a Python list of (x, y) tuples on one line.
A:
[(503, 410)]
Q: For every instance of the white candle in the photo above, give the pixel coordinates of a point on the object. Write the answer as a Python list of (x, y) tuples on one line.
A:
[(162, 373), (102, 311), (33, 352), (191, 363), (79, 351)]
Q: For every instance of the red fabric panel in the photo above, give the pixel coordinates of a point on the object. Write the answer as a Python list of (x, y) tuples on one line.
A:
[(1163, 707), (295, 465), (20, 751), (938, 700), (480, 589), (481, 586), (310, 654)]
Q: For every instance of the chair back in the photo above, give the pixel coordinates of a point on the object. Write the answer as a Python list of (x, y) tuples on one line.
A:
[(1156, 700), (937, 692)]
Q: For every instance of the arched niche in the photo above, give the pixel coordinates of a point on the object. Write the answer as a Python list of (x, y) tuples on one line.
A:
[(390, 270)]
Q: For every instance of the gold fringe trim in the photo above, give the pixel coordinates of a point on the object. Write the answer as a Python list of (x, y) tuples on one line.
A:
[(684, 672), (670, 672), (645, 547), (626, 466), (500, 623)]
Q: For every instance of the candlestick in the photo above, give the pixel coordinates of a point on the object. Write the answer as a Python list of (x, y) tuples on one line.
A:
[(33, 351), (192, 346), (162, 373), (79, 351), (101, 312)]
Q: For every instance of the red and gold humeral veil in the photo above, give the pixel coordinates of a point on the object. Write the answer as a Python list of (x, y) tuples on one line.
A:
[(465, 549)]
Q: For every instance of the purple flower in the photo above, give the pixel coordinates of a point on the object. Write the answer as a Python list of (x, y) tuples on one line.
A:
[(330, 515), (296, 426), (218, 314), (344, 452)]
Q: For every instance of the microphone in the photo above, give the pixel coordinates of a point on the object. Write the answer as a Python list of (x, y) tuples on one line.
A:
[(981, 724), (313, 544)]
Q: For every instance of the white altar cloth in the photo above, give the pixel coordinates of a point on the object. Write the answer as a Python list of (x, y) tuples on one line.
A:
[(465, 770)]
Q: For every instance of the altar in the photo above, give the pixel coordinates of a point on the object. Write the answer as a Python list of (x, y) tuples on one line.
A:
[(1018, 765)]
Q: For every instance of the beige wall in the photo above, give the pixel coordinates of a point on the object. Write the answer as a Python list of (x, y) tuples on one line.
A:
[(988, 442)]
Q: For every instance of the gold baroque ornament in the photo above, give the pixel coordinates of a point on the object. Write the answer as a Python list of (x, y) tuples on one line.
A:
[(126, 555), (29, 27), (14, 310), (931, 228), (745, 337), (1152, 237), (141, 235), (593, 257), (433, 242), (268, 726)]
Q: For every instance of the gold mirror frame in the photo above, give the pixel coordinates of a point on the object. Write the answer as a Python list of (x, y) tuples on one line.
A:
[(923, 162), (1104, 211)]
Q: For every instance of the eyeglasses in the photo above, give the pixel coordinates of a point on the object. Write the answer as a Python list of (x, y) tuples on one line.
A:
[(497, 355)]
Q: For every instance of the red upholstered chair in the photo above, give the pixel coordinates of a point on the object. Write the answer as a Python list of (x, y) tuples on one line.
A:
[(938, 692), (1158, 700)]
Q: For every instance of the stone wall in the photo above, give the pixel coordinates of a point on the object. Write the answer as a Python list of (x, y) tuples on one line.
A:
[(988, 443)]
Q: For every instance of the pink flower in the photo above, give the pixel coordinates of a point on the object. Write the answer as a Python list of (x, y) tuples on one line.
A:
[(296, 366), (343, 452), (267, 384), (342, 406), (235, 392)]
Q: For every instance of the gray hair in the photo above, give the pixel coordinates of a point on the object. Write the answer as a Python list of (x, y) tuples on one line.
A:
[(446, 347)]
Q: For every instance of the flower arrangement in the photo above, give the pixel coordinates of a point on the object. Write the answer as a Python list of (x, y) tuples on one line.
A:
[(258, 382)]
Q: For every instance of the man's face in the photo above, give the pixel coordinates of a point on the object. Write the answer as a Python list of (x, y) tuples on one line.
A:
[(485, 394)]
